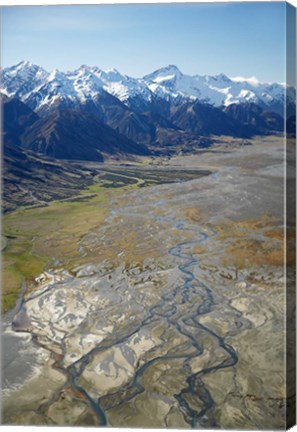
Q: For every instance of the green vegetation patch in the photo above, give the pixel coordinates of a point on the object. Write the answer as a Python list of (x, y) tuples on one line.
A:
[(34, 237), (37, 236)]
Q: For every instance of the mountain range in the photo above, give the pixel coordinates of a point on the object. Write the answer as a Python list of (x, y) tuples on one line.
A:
[(89, 113)]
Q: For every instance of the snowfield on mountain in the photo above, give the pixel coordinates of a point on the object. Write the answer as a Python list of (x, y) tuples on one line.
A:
[(38, 88)]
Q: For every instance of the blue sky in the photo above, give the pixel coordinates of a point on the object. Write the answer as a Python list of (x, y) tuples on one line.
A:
[(238, 39)]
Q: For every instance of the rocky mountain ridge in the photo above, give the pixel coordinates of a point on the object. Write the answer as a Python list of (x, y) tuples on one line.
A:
[(41, 89), (90, 113)]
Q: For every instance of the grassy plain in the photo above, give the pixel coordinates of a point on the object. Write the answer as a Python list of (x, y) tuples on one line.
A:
[(42, 236), (47, 236)]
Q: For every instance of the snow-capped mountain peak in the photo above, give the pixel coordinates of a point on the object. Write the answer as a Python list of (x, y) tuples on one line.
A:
[(35, 86), (163, 74), (22, 78), (220, 79), (23, 64), (56, 75), (113, 75), (24, 68)]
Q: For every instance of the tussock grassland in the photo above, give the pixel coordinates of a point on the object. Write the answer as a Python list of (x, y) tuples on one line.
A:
[(47, 236), (52, 235), (255, 243)]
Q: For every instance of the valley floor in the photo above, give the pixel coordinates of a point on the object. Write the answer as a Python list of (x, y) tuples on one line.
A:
[(157, 306)]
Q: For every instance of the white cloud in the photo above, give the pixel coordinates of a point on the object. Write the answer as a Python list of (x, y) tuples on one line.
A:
[(251, 80)]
